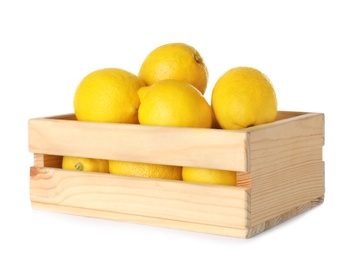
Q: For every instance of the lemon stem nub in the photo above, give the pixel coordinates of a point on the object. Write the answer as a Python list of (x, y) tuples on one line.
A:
[(198, 58), (79, 166)]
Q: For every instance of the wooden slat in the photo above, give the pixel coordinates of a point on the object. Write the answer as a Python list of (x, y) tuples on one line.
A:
[(45, 160), (166, 223), (243, 179), (288, 114), (205, 148), (217, 205), (278, 219), (286, 166)]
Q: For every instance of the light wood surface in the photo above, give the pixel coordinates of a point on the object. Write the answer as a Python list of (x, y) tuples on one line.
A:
[(152, 144), (286, 165), (280, 172), (169, 223), (221, 206)]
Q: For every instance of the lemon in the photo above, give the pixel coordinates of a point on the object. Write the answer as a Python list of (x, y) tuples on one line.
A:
[(215, 123), (173, 103), (175, 61), (243, 97), (84, 164), (211, 176), (108, 95), (145, 170)]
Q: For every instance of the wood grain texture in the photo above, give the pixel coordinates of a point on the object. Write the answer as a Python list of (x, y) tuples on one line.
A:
[(160, 222), (280, 172), (152, 144), (46, 160), (286, 166), (284, 216), (216, 205)]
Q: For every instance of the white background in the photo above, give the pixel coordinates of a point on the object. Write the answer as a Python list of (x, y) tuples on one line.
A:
[(47, 47)]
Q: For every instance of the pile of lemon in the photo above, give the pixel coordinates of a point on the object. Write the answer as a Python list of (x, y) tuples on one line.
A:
[(169, 91)]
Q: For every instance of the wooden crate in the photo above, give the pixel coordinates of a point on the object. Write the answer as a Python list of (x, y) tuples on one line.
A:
[(280, 172)]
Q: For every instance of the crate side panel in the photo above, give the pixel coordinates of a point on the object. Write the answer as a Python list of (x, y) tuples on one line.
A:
[(277, 195), (175, 200), (284, 216), (286, 166), (288, 114), (161, 145)]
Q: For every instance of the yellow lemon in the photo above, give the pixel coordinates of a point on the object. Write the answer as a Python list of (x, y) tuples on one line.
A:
[(211, 176), (173, 103), (84, 164), (243, 97), (108, 95), (214, 121), (175, 61), (145, 170)]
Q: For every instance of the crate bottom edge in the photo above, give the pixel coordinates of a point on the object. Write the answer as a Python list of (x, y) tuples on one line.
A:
[(137, 219), (181, 225), (285, 216)]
